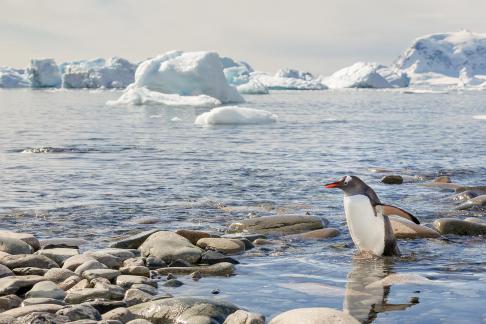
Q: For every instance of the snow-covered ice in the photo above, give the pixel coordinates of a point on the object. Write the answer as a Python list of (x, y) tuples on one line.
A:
[(143, 96), (252, 87), (13, 78), (358, 75), (44, 73), (232, 115), (115, 73), (294, 74), (286, 83), (483, 117), (187, 74)]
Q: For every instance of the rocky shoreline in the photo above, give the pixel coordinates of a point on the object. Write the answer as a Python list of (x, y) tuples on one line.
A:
[(51, 281)]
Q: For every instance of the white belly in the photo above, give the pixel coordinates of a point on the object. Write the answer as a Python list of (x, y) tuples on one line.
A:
[(366, 229)]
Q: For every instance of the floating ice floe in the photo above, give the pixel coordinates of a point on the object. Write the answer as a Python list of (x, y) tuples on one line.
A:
[(44, 73), (294, 74), (142, 96), (286, 83), (181, 79), (252, 87), (232, 115), (13, 78), (446, 60), (358, 75), (482, 117), (115, 73)]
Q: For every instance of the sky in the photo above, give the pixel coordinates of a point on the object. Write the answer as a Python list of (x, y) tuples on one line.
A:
[(315, 35)]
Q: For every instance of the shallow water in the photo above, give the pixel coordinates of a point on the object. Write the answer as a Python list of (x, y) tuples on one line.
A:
[(73, 167)]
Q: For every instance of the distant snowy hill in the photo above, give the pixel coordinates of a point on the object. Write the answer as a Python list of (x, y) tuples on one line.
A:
[(456, 59)]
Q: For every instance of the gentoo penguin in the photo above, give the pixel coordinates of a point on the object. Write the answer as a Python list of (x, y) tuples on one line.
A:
[(367, 217)]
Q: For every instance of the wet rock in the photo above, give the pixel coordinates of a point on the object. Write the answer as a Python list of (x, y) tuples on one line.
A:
[(80, 312), (173, 283), (101, 273), (179, 263), (136, 271), (244, 236), (479, 190), (84, 283), (116, 292), (5, 271), (219, 269), (244, 317), (223, 245), (121, 254), (12, 245), (89, 265), (473, 203), (108, 260), (25, 237), (75, 261), (155, 263), (126, 281), (192, 236), (58, 275), (266, 242), (99, 280), (133, 242), (400, 279), (136, 296), (139, 321), (42, 300), (46, 289), (29, 271), (146, 220), (196, 276), (18, 284), (314, 315), (443, 182), (28, 260), (320, 234), (459, 227), (104, 306), (121, 314), (41, 318), (69, 283), (134, 262), (475, 220), (70, 243), (58, 255), (145, 288), (464, 196), (279, 224), (184, 310), (8, 302), (392, 179), (215, 291), (170, 246), (44, 308), (213, 257), (83, 295), (405, 229)]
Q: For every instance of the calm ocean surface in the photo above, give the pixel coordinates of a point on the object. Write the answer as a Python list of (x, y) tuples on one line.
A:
[(72, 167)]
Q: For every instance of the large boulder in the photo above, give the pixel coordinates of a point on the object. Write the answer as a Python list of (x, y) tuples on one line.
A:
[(405, 229), (184, 310), (320, 315), (292, 224), (244, 317), (218, 269), (5, 271), (22, 311), (169, 247), (134, 241), (58, 275), (223, 245), (82, 295), (26, 237), (15, 284), (8, 302), (459, 227), (80, 312), (46, 289), (14, 246), (59, 255), (28, 260)]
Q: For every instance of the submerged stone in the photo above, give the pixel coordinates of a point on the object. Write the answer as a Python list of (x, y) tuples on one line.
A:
[(292, 224)]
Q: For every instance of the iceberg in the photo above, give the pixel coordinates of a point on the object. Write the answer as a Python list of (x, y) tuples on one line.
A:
[(173, 78), (13, 78), (143, 96), (116, 73), (294, 74), (286, 83), (456, 59), (252, 87), (358, 75), (232, 115), (44, 73)]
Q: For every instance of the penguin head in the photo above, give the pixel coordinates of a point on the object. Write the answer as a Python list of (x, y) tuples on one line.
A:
[(349, 184)]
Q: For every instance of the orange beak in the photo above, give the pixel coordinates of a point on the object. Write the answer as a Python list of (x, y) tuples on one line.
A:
[(333, 184)]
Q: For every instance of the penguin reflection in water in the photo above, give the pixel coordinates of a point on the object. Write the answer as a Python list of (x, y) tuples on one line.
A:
[(367, 217)]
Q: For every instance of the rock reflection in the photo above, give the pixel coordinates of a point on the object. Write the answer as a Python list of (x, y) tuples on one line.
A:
[(365, 301)]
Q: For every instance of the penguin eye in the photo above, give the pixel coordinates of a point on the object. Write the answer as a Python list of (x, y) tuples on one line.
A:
[(347, 179)]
